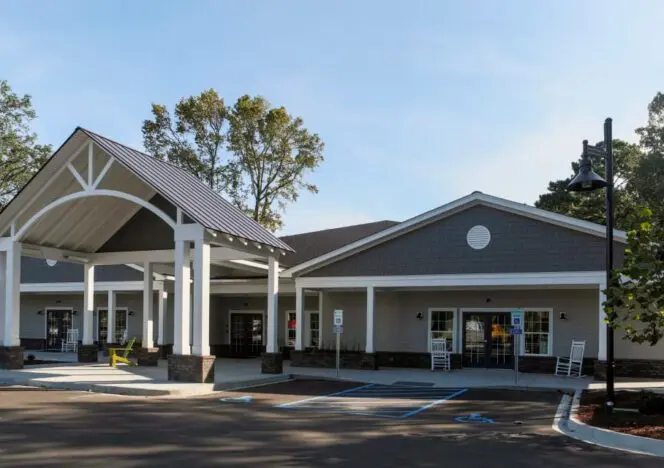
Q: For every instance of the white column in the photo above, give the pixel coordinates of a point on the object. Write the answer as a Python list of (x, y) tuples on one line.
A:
[(148, 305), (163, 302), (110, 327), (12, 295), (370, 320), (601, 343), (321, 321), (299, 316), (181, 320), (201, 299), (88, 303), (272, 304)]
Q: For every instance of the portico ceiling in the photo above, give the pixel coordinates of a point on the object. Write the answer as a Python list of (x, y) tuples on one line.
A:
[(92, 187)]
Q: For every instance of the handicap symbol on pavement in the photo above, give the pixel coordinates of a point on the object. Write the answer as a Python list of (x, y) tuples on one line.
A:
[(242, 399), (474, 418)]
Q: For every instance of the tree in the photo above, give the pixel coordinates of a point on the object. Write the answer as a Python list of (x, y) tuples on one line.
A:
[(20, 154), (635, 296), (272, 153), (590, 206), (195, 140), (650, 172), (255, 155)]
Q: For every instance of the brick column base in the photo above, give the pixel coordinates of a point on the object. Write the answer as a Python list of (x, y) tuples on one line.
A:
[(148, 356), (369, 361), (165, 351), (272, 363), (11, 357), (106, 346), (196, 369), (88, 353)]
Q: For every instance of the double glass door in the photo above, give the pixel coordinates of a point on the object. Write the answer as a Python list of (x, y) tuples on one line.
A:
[(487, 341), (246, 335), (58, 322)]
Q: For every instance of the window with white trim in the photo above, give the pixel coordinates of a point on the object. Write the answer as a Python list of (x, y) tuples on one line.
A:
[(537, 332), (291, 328), (441, 325), (314, 329)]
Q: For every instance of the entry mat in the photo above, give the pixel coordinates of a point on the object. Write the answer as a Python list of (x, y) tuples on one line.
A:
[(397, 401)]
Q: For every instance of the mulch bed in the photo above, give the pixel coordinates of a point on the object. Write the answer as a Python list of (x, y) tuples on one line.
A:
[(591, 411)]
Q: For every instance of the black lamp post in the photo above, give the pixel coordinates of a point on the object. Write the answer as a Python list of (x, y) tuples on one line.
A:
[(585, 181)]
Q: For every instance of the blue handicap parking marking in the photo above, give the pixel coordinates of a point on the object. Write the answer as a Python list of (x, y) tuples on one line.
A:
[(474, 418), (387, 401)]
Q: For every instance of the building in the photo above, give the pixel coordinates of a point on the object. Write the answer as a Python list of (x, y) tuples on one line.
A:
[(457, 271)]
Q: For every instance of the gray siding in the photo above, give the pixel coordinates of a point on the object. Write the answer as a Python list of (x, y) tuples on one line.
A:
[(628, 350), (518, 244), (35, 270), (144, 231), (398, 329), (221, 305)]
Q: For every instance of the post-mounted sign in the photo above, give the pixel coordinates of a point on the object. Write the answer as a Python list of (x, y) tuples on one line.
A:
[(338, 317)]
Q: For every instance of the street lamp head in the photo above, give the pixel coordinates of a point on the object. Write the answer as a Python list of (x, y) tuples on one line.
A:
[(586, 180)]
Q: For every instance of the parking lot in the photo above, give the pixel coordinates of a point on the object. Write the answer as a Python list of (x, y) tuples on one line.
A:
[(281, 425)]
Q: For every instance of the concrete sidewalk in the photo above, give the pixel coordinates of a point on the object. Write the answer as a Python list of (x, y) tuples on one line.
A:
[(234, 373)]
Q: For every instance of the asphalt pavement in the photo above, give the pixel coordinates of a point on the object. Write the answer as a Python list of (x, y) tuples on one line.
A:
[(294, 424)]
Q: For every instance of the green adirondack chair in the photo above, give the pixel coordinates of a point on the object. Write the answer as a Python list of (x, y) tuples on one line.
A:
[(116, 355)]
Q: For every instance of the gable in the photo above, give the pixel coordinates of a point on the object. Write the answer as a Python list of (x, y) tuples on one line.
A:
[(518, 244)]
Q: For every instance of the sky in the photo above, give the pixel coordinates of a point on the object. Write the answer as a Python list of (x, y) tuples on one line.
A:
[(418, 102)]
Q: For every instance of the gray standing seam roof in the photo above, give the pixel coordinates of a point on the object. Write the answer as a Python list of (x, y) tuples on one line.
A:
[(184, 190)]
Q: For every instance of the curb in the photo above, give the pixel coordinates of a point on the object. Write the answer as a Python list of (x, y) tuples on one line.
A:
[(565, 422), (145, 392)]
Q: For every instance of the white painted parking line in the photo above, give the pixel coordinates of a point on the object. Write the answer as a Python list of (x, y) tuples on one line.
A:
[(388, 401)]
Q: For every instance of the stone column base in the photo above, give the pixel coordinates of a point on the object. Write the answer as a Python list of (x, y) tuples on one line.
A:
[(148, 356), (88, 353), (165, 351), (272, 363), (11, 357), (195, 369)]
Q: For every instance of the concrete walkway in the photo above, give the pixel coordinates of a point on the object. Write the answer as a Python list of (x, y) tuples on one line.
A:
[(234, 373)]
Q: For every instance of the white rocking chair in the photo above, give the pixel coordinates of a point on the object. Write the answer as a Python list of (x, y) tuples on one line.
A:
[(70, 343), (440, 355), (573, 364)]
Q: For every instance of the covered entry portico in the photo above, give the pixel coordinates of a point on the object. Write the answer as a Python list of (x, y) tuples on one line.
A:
[(97, 202)]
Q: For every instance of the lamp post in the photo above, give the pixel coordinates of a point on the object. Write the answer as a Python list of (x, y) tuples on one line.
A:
[(585, 181)]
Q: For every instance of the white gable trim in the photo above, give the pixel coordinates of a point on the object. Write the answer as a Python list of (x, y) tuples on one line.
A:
[(475, 198)]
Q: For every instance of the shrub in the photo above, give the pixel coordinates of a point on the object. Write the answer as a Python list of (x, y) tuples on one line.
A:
[(651, 403)]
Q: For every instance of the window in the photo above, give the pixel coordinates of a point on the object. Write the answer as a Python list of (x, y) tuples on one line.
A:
[(314, 329), (537, 332), (290, 328), (442, 325)]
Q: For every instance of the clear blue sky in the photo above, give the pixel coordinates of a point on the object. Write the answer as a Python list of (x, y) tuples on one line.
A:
[(418, 102)]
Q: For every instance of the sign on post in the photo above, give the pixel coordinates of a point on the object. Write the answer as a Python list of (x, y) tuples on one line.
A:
[(338, 330), (338, 317), (517, 331)]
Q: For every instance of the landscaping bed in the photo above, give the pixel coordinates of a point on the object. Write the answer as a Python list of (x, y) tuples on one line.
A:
[(646, 421)]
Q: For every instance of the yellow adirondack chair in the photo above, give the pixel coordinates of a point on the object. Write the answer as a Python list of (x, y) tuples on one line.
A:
[(116, 355)]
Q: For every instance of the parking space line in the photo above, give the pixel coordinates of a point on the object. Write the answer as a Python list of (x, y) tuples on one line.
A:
[(349, 390), (434, 403)]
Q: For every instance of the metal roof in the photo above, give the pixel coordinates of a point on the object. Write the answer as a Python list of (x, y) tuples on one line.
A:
[(186, 191)]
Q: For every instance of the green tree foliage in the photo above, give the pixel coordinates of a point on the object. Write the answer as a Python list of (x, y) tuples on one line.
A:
[(590, 206), (272, 154), (256, 155), (635, 297), (20, 154)]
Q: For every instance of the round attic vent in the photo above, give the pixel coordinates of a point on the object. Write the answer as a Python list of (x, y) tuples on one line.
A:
[(478, 237)]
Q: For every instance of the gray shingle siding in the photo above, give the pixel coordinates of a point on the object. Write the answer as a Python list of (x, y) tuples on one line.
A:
[(518, 245), (35, 270)]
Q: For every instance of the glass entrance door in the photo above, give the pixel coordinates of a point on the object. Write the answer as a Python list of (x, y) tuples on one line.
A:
[(246, 335), (486, 340), (58, 321), (120, 325)]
